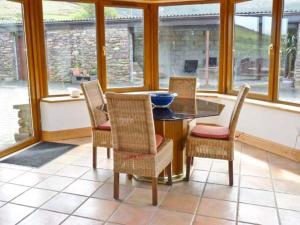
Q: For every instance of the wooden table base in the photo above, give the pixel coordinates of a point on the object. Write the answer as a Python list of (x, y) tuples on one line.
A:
[(177, 131)]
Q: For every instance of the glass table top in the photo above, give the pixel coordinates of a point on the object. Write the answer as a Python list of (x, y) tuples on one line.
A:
[(182, 108)]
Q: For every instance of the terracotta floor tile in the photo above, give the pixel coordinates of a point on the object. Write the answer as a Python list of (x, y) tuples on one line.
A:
[(202, 164), (133, 214), (86, 161), (257, 214), (106, 191), (257, 197), (34, 197), (10, 191), (124, 180), (199, 175), (287, 174), (180, 202), (144, 196), (75, 220), (222, 192), (257, 169), (97, 175), (288, 201), (29, 179), (105, 164), (217, 208), (9, 174), (11, 214), (164, 217), (287, 186), (97, 209), (203, 220), (64, 203), (83, 187), (72, 171), (222, 178), (50, 168), (55, 183), (42, 217), (221, 166), (191, 187), (288, 217), (260, 183)]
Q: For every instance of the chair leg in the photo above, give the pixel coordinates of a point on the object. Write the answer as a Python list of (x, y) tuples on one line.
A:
[(169, 171), (129, 176), (108, 153), (154, 191), (230, 170), (94, 157), (188, 167), (116, 186)]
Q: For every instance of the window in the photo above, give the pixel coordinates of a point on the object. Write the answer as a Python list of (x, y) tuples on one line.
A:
[(15, 107), (70, 37), (189, 44), (289, 72), (124, 47), (252, 38)]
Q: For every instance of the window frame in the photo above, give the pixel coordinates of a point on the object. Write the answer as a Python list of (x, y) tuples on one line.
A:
[(34, 92), (222, 41), (271, 95)]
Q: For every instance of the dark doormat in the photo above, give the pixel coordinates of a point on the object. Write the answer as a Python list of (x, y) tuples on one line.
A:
[(39, 154)]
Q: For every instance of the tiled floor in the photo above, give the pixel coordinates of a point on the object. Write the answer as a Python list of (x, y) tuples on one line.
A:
[(68, 191)]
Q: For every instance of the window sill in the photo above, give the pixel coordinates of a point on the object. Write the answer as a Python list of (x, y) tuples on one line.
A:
[(277, 106), (62, 99)]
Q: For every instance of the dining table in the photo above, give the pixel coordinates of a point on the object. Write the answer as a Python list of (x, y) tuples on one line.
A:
[(172, 122)]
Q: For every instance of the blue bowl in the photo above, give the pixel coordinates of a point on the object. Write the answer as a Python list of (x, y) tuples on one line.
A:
[(162, 99)]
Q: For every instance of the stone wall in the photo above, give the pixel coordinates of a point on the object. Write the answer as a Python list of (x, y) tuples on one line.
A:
[(70, 47), (177, 44), (8, 64)]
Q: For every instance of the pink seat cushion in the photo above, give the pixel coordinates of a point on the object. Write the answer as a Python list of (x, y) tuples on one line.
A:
[(104, 126), (212, 132), (159, 140)]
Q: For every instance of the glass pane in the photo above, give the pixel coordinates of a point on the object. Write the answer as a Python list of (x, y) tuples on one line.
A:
[(189, 44), (124, 43), (253, 29), (15, 108), (70, 36), (289, 73)]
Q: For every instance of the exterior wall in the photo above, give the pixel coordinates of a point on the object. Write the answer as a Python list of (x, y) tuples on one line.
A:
[(8, 64), (178, 44), (69, 47), (297, 63)]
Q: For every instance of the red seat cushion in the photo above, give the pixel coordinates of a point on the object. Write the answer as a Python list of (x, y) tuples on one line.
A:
[(212, 132), (104, 126), (159, 140)]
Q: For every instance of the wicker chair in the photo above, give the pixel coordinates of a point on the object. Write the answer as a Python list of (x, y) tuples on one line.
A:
[(101, 131), (137, 149), (214, 141), (185, 87)]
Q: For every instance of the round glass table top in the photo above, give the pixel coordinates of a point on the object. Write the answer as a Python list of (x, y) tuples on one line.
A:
[(183, 108)]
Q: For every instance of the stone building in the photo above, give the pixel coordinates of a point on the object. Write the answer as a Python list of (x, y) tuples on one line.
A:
[(72, 44)]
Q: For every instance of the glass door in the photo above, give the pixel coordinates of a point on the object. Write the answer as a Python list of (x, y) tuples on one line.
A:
[(16, 123), (253, 45)]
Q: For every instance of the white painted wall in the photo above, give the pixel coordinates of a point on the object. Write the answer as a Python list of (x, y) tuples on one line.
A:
[(264, 122), (267, 123), (64, 115)]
